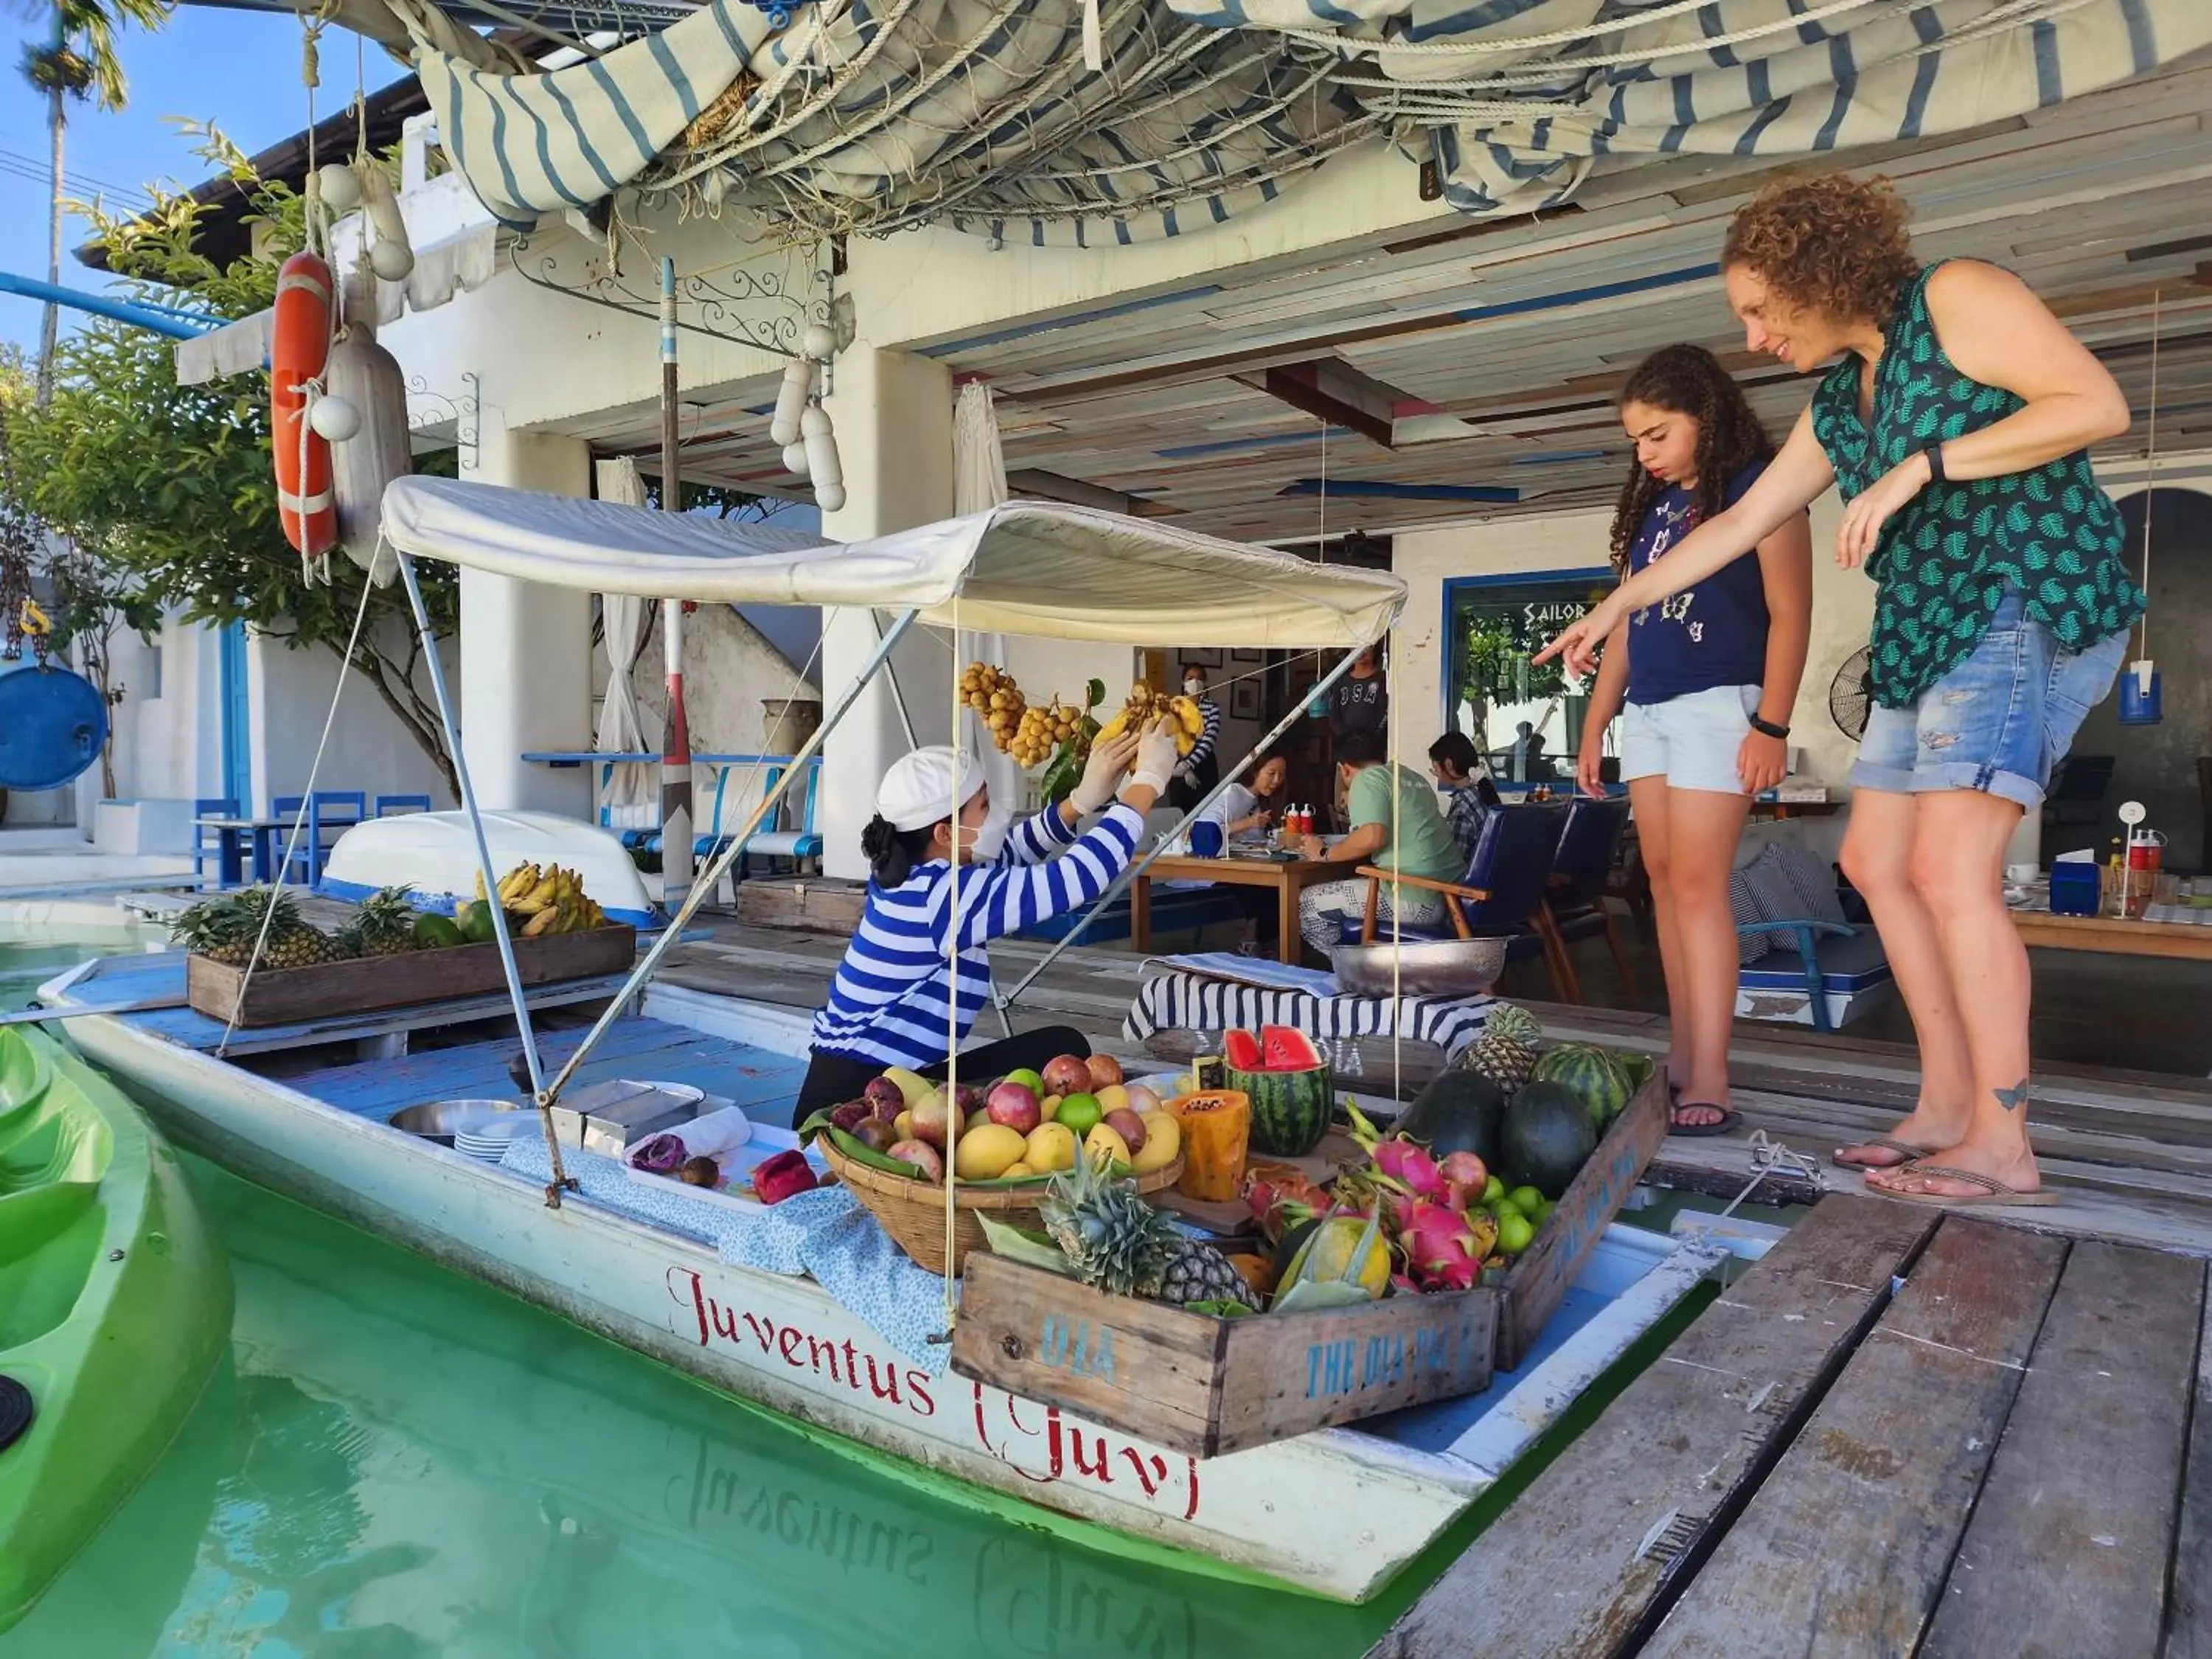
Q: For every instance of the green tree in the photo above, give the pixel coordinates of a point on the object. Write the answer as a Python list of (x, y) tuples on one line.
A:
[(78, 61), (173, 485)]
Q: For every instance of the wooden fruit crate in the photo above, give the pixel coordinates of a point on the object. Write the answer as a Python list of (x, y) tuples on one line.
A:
[(291, 995), (1208, 1387)]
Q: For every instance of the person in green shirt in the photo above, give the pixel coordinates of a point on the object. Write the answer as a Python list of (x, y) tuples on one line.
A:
[(1396, 824)]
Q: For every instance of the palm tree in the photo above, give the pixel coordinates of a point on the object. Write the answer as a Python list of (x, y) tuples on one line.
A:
[(78, 62)]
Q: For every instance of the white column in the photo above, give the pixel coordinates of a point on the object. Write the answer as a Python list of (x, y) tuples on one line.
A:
[(894, 422), (525, 678)]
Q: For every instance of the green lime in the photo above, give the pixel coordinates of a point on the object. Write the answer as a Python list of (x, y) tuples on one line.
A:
[(1527, 1201), (1080, 1113), (1515, 1232), (1493, 1191), (1029, 1081)]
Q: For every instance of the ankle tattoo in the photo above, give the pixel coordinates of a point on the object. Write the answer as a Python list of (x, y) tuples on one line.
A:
[(2014, 1098)]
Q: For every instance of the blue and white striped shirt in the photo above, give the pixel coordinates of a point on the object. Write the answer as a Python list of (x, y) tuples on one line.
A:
[(888, 1003)]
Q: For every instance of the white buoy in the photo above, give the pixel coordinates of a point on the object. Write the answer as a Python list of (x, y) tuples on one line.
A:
[(829, 498), (340, 189), (795, 459), (392, 261), (790, 399), (818, 343), (823, 464), (334, 418)]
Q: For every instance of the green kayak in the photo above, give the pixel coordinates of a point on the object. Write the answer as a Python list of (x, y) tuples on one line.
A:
[(114, 1307)]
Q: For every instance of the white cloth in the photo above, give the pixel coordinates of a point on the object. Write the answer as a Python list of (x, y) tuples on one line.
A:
[(1323, 907), (917, 792), (634, 792)]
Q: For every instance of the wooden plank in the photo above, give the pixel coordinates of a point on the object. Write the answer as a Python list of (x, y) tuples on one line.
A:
[(2188, 1610), (2067, 1551), (1586, 1558), (1845, 1547)]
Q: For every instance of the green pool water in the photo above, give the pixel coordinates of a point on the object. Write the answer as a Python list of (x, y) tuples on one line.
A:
[(396, 1462)]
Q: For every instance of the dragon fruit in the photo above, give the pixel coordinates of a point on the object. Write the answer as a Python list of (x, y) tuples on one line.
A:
[(1280, 1196), (1408, 1163), (1442, 1247)]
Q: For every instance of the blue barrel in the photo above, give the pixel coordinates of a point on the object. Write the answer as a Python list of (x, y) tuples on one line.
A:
[(52, 723)]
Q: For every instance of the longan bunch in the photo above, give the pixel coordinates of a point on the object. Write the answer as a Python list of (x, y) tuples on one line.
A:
[(992, 693), (1043, 730)]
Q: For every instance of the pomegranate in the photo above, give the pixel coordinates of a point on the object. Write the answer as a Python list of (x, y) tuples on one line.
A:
[(876, 1135), (883, 1098), (1068, 1074), (1105, 1072), (929, 1116), (1016, 1106)]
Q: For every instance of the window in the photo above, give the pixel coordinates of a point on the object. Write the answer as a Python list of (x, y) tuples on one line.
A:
[(1493, 625)]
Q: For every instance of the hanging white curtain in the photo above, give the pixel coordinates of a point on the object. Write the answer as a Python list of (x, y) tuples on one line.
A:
[(979, 484), (634, 792)]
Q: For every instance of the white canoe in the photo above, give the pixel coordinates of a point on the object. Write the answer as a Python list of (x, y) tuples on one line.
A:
[(1337, 1512), (435, 854)]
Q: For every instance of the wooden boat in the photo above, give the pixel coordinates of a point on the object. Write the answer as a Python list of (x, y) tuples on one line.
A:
[(1337, 1512), (115, 1305)]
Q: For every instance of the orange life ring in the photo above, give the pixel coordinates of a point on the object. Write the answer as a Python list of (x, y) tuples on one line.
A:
[(299, 346)]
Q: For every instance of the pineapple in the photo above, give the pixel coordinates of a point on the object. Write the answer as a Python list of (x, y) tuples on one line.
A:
[(215, 928), (224, 929), (1505, 1052), (383, 924), (1197, 1272), (1111, 1237)]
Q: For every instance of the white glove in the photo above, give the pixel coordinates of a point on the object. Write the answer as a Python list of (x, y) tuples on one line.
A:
[(1101, 773), (1156, 755)]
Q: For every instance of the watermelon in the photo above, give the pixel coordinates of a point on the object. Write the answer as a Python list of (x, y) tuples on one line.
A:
[(1458, 1112), (1291, 1088), (1548, 1137), (1597, 1078)]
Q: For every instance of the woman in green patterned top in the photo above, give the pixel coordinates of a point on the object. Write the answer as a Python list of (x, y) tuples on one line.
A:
[(1957, 419)]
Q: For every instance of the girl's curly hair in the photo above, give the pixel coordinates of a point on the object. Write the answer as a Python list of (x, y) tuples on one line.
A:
[(1833, 244), (1688, 380)]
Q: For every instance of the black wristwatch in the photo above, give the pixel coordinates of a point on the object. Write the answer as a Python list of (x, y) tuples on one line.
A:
[(1768, 728), (1936, 474)]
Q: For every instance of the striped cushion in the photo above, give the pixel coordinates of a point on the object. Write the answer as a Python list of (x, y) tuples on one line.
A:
[(1744, 906)]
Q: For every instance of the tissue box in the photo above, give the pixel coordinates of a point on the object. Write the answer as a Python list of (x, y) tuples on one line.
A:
[(2076, 890)]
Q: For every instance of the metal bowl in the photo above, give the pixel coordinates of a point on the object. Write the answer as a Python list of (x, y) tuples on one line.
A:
[(1424, 968), (438, 1119)]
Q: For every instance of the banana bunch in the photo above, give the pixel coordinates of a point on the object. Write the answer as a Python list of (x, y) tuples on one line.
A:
[(552, 898), (1145, 705)]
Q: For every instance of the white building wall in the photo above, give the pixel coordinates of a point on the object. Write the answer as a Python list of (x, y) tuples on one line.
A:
[(290, 695)]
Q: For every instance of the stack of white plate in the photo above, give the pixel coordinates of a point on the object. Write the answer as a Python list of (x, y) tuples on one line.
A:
[(486, 1135)]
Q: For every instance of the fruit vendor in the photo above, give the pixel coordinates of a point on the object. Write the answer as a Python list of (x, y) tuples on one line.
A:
[(1200, 770), (895, 1000), (1396, 824)]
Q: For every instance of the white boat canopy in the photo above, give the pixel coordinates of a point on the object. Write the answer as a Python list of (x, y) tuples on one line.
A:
[(1031, 567)]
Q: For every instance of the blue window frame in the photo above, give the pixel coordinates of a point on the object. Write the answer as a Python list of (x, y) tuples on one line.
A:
[(1491, 626)]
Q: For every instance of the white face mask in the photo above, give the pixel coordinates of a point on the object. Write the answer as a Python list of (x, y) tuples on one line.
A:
[(1193, 688), (990, 841)]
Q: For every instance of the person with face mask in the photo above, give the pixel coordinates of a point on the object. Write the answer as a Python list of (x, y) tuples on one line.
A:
[(899, 994), (1200, 770)]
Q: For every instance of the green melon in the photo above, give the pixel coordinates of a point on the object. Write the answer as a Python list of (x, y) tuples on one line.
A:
[(1291, 1088), (1597, 1079), (1548, 1137), (1458, 1112)]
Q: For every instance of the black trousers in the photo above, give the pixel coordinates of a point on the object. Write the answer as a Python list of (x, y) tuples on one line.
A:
[(833, 1079), (1183, 796)]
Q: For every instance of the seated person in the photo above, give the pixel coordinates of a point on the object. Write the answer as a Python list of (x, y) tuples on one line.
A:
[(1394, 816), (1238, 809), (1468, 794)]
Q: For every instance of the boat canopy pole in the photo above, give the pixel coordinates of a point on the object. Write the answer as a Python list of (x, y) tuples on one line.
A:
[(1138, 868), (490, 879), (708, 883)]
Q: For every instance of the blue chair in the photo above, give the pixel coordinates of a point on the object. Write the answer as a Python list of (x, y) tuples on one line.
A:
[(1501, 894), (346, 808), (1581, 870), (395, 806), (207, 843)]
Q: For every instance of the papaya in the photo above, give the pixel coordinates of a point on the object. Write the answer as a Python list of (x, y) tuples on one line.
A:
[(437, 933)]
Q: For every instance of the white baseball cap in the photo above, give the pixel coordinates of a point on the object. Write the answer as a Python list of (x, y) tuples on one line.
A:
[(917, 792)]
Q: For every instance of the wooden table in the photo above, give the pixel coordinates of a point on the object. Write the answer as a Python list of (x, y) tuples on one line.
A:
[(1288, 877), (2116, 936)]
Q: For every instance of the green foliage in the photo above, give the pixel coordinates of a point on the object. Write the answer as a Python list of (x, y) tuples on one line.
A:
[(172, 488), (80, 61)]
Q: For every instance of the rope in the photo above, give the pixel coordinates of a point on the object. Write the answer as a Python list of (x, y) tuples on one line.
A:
[(2150, 478), (292, 842), (952, 1118)]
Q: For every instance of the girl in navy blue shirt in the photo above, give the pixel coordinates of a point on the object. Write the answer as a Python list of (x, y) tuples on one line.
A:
[(1709, 677)]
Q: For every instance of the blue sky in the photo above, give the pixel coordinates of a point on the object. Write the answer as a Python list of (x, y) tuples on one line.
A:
[(239, 69)]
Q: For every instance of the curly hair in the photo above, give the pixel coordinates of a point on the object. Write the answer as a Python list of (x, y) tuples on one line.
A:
[(1833, 244), (1688, 380)]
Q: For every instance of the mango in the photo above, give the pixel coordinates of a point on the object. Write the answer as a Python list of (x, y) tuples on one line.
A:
[(1018, 1167), (986, 1152), (1162, 1142), (1050, 1148), (911, 1087), (1104, 1146)]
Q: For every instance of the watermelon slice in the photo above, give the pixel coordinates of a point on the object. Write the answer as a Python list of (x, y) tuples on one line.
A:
[(1288, 1049), (1242, 1050)]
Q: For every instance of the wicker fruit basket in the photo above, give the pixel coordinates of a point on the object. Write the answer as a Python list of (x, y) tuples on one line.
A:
[(912, 1212)]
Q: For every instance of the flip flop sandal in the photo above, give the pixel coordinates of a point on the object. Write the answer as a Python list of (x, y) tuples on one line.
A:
[(1910, 1153), (1994, 1191), (1729, 1122)]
